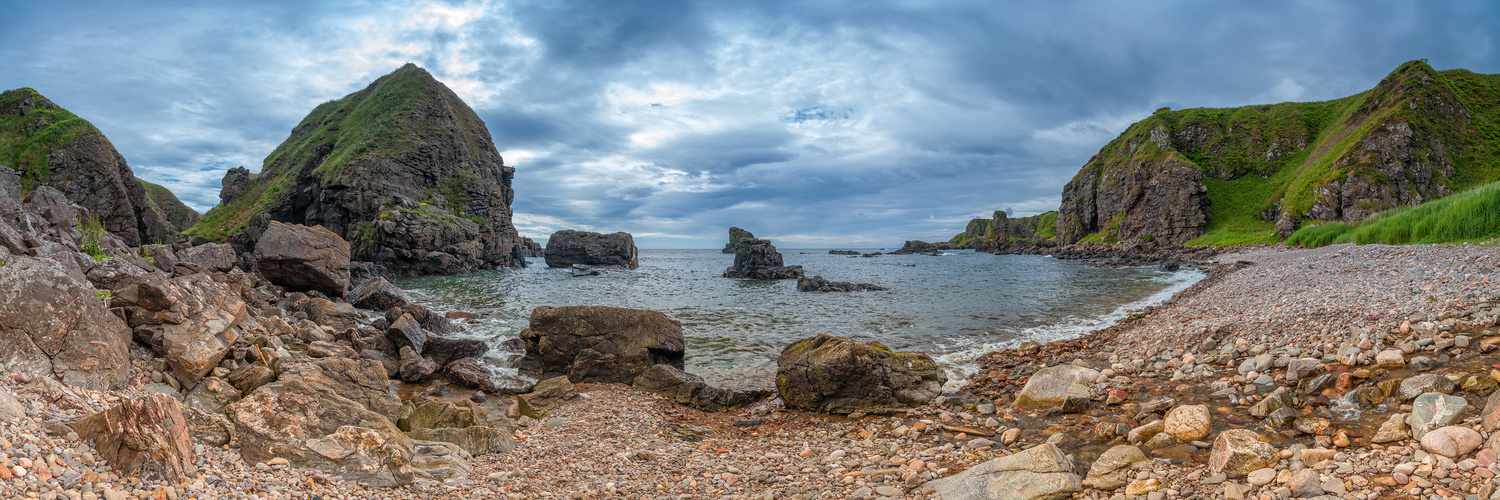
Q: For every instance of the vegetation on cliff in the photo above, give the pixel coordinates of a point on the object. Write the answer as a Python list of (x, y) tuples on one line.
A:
[(1470, 216), (172, 209), (1221, 176), (27, 137), (1000, 233)]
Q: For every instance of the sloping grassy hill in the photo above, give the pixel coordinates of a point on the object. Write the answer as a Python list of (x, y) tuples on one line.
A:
[(1470, 216)]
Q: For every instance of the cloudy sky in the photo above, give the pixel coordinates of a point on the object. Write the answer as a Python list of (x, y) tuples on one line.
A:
[(813, 123)]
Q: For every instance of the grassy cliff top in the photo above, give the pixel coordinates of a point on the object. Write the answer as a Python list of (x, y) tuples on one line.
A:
[(172, 209), (31, 127)]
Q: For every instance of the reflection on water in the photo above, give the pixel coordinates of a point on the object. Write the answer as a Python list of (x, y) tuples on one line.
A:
[(955, 306)]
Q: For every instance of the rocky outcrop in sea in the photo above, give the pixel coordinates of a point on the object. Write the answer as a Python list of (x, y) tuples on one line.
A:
[(735, 235), (568, 248), (758, 259)]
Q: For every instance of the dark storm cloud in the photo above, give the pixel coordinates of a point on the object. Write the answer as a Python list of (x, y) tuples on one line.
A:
[(814, 123)]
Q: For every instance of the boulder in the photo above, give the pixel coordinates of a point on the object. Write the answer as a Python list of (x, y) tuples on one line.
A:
[(53, 324), (250, 376), (568, 247), (406, 332), (1390, 358), (1433, 410), (757, 259), (1418, 385), (1049, 386), (818, 284), (839, 375), (690, 390), (303, 258), (476, 440), (208, 428), (1043, 472), (1300, 368), (414, 367), (336, 315), (737, 234), (600, 344), (206, 258), (1114, 468), (1188, 423), (547, 396), (437, 414), (378, 294), (1276, 400), (1236, 452), (474, 373), (145, 437), (440, 461), (1453, 441), (1392, 430), (192, 321), (212, 394), (444, 350), (1490, 416), (430, 320)]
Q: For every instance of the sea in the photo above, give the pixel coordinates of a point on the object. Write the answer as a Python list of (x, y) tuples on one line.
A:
[(955, 306)]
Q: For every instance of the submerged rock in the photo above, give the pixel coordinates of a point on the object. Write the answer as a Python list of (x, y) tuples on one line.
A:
[(1049, 386), (839, 375), (818, 284)]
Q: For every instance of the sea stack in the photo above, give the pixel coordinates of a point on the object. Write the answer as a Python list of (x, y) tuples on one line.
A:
[(568, 247), (758, 259), (735, 235), (403, 170)]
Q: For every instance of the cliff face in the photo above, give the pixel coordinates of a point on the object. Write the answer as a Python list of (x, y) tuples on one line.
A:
[(50, 146), (403, 170), (1002, 234), (1257, 173)]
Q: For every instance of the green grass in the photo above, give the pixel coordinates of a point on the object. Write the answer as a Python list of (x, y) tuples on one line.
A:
[(26, 140), (1470, 216), (93, 238)]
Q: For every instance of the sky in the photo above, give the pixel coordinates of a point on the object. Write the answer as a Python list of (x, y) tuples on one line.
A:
[(815, 124)]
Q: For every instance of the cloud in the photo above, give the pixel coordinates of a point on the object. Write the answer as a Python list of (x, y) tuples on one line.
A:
[(816, 123)]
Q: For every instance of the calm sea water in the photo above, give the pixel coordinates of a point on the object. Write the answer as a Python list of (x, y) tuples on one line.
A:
[(955, 306)]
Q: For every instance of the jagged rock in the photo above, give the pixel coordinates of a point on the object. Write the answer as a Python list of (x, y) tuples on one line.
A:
[(1453, 441), (439, 461), (818, 284), (432, 199), (1042, 472), (337, 315), (530, 249), (839, 375), (145, 437), (1277, 399), (474, 374), (208, 428), (431, 321), (581, 270), (757, 259), (325, 349), (250, 376), (303, 258), (444, 350), (1114, 468), (1188, 423), (568, 247), (921, 248), (547, 396), (206, 258), (235, 183), (1432, 410), (406, 332), (11, 409), (600, 344), (375, 456), (414, 367), (737, 234), (476, 440), (1236, 452), (1049, 386), (192, 321), (1279, 419), (690, 390), (212, 394), (53, 324), (377, 294)]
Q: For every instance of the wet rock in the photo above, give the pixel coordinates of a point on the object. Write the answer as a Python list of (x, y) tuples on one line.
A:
[(690, 390), (1145, 432), (1433, 410), (758, 259), (1188, 423), (1049, 386), (1312, 425), (1305, 484), (1491, 413), (405, 332), (600, 344), (1276, 400), (145, 437), (52, 324), (568, 247), (1077, 400), (581, 270), (1453, 441), (1279, 419), (1390, 358), (431, 321), (303, 258), (1428, 382), (437, 414), (444, 350), (839, 375), (818, 284), (1037, 473), (1236, 452), (1392, 430), (415, 368), (1114, 468), (548, 395), (378, 294)]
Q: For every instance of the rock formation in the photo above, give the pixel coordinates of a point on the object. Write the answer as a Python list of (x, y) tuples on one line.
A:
[(600, 344), (1002, 234), (50, 146), (735, 235), (1264, 170), (690, 390), (403, 170), (304, 258), (922, 248), (757, 259), (838, 375), (818, 284), (568, 247)]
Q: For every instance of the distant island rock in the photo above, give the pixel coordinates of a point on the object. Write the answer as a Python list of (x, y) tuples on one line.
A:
[(403, 170), (922, 248), (568, 247), (1002, 234), (758, 259), (843, 252), (531, 248), (818, 284), (735, 235)]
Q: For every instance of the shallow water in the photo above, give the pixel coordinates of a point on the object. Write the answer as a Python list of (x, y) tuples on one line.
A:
[(955, 306)]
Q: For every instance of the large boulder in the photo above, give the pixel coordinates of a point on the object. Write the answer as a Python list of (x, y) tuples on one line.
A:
[(1049, 386), (444, 350), (690, 390), (1453, 441), (600, 344), (1236, 452), (145, 437), (192, 321), (476, 440), (1188, 423), (207, 258), (53, 323), (1433, 410), (546, 397), (818, 284), (568, 247), (1114, 468), (304, 258), (758, 259), (1042, 472), (839, 375), (378, 294)]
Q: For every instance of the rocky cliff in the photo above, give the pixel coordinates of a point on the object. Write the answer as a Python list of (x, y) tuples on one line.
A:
[(50, 146), (1002, 234), (403, 170), (1257, 173)]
